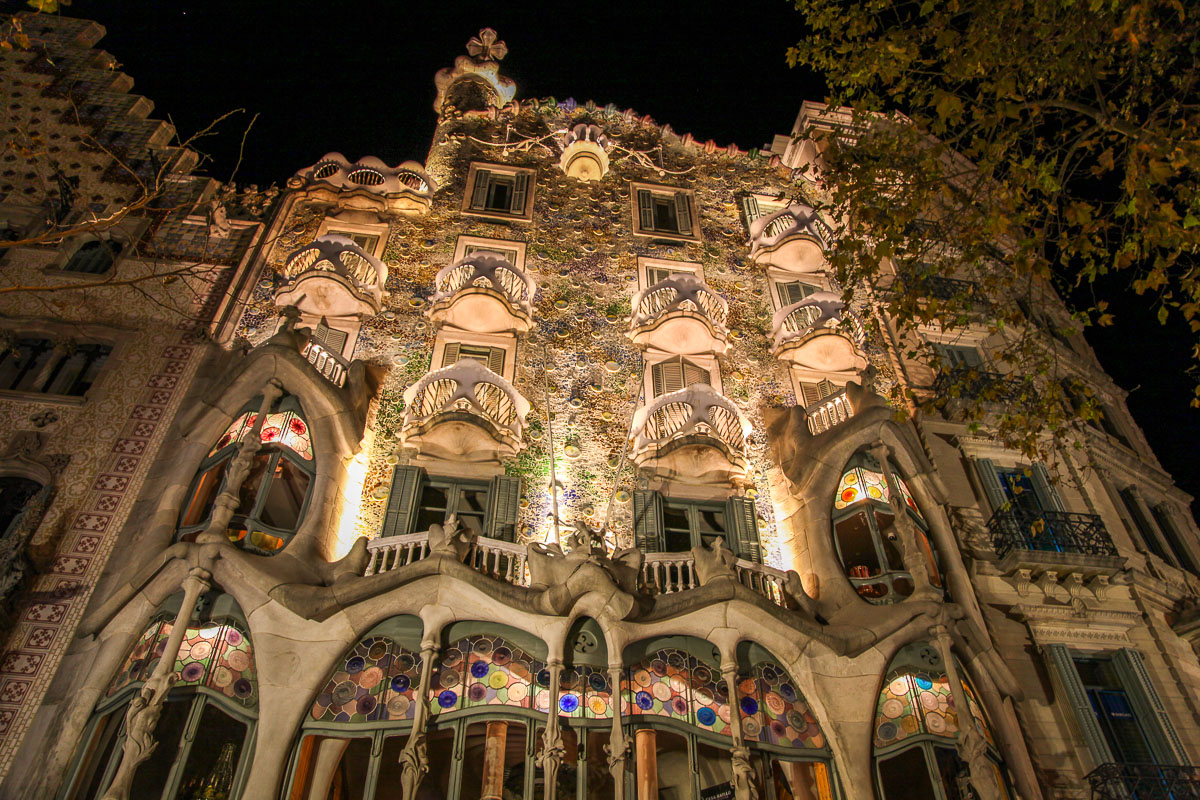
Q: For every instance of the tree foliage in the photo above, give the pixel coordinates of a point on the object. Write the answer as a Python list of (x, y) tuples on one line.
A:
[(1021, 145)]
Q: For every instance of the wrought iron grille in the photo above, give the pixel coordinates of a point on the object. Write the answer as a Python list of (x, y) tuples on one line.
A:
[(1049, 531), (1145, 782)]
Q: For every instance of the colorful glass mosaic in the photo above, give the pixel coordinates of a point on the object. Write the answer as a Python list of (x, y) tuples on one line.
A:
[(787, 720), (375, 682), (710, 699), (859, 484), (482, 670), (287, 428), (915, 703), (584, 692), (660, 685), (218, 657)]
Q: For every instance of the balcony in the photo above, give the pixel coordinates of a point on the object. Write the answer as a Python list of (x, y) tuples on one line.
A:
[(794, 238), (694, 434), (1144, 782), (829, 412), (483, 293), (820, 333), (331, 365), (332, 277), (680, 315), (1050, 532), (464, 412), (368, 184)]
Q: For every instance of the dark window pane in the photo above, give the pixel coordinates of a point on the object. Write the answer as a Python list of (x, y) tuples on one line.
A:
[(953, 773), (249, 491), (677, 541), (491, 751), (285, 496), (213, 760), (888, 534), (675, 517), (857, 546), (14, 494), (97, 757), (905, 776), (435, 497), (712, 519), (599, 779), (151, 776), (473, 501), (207, 487)]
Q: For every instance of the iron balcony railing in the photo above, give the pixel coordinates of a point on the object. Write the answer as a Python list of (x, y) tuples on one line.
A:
[(1144, 782), (973, 382), (1049, 531)]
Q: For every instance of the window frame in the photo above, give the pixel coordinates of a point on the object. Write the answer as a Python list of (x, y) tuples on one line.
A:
[(332, 226), (53, 369), (703, 361), (525, 213), (665, 234), (466, 243), (114, 246), (455, 487), (646, 267), (446, 338)]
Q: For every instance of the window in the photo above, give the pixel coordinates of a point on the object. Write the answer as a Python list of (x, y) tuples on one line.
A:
[(663, 211), (42, 366), (1175, 540), (755, 207), (1143, 525), (1114, 712), (793, 292), (653, 270), (366, 241), (509, 255), (418, 500), (15, 493), (502, 191), (490, 357), (865, 537), (954, 356), (670, 525), (812, 392), (273, 496), (513, 251), (675, 374), (331, 339), (94, 257)]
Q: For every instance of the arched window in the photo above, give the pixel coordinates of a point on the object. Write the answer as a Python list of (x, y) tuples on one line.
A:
[(916, 727), (864, 534), (207, 722), (273, 497), (15, 493), (94, 257)]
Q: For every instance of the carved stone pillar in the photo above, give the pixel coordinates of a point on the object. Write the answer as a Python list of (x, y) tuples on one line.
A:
[(744, 785), (58, 353), (971, 744), (227, 501), (910, 551), (617, 749), (144, 710), (552, 742), (413, 761), (494, 744), (800, 782), (647, 764)]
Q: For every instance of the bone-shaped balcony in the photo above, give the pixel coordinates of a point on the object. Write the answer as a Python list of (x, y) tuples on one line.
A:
[(680, 314), (464, 412), (483, 293), (792, 238), (819, 332), (332, 277), (694, 434)]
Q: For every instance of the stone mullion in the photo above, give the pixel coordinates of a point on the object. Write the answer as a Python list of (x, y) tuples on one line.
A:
[(619, 744), (744, 786), (413, 761), (552, 742)]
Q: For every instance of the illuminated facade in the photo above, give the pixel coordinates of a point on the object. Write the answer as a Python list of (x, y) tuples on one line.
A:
[(557, 466)]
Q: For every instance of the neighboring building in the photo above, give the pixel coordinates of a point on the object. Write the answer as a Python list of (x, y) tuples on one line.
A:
[(557, 467)]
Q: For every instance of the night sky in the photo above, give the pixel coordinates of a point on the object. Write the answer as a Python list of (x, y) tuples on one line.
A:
[(358, 78)]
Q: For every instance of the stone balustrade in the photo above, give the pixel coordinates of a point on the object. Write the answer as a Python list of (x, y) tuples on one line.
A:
[(331, 365), (332, 276), (695, 410), (828, 412)]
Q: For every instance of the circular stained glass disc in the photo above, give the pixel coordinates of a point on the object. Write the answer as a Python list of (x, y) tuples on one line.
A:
[(787, 692), (502, 656), (892, 708), (238, 660), (447, 699), (796, 720), (644, 701), (404, 662), (929, 700), (675, 659), (344, 692), (598, 682), (397, 707), (234, 637), (935, 722), (703, 696), (679, 706), (543, 677), (482, 646), (200, 650), (661, 691), (923, 682), (678, 685), (377, 651), (701, 675), (192, 672), (597, 706), (243, 688), (774, 703), (477, 692), (449, 678), (658, 666), (498, 679), (641, 677), (367, 704), (898, 687), (748, 705), (751, 728), (355, 664), (452, 657), (400, 683), (568, 703), (479, 669), (222, 677), (706, 716), (517, 692)]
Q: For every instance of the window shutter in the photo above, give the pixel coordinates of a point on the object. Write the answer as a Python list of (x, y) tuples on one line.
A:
[(750, 206), (1075, 697), (646, 209), (331, 339), (810, 392), (1044, 489), (743, 520), (656, 379), (479, 195), (990, 481), (683, 213), (647, 521), (503, 504), (402, 501), (694, 374), (794, 292), (495, 360), (1170, 531), (450, 353), (1148, 706), (667, 376), (520, 190), (826, 388)]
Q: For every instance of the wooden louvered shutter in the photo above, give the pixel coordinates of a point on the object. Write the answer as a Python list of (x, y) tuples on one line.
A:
[(331, 339), (693, 373), (750, 206), (647, 521), (1163, 740), (520, 191), (480, 193), (450, 353), (825, 388), (1074, 696), (402, 501), (990, 482), (1046, 494), (646, 209), (810, 392), (683, 213), (667, 376), (495, 360), (504, 497), (742, 521)]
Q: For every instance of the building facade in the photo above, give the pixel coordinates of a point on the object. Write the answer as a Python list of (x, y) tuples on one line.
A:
[(558, 466)]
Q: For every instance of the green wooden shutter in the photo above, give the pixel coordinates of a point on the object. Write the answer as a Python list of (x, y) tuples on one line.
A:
[(1076, 700), (479, 195), (450, 353), (504, 497), (742, 520), (520, 190), (750, 206), (495, 360), (694, 374), (331, 339), (1044, 489), (646, 209), (647, 521), (809, 393), (402, 501), (990, 482), (683, 212), (1148, 706)]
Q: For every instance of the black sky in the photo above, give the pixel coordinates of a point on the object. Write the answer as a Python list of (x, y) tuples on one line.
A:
[(358, 78)]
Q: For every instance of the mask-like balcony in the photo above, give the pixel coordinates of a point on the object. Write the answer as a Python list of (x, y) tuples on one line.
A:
[(680, 315), (368, 184), (819, 332), (464, 412), (332, 277), (483, 293), (793, 238), (694, 434)]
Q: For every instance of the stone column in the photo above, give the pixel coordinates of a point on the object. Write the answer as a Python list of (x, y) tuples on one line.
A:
[(744, 786), (971, 744), (413, 760), (910, 550), (647, 764), (227, 502), (800, 779), (328, 755), (619, 744), (144, 710), (494, 744), (59, 352), (552, 742)]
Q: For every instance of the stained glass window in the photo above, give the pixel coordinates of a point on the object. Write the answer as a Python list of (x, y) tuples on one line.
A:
[(659, 685), (584, 692), (215, 656), (375, 682), (773, 710), (287, 428), (859, 483), (482, 670), (915, 702)]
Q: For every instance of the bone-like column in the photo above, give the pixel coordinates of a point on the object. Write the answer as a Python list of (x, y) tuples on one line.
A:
[(413, 758)]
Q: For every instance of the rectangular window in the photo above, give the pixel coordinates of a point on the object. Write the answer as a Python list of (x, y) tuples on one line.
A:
[(954, 356), (675, 374), (440, 498), (815, 391), (687, 525), (38, 365), (499, 190), (666, 211), (417, 501), (1166, 524), (793, 292), (368, 242), (1114, 712), (490, 357), (1142, 525), (670, 525), (329, 338), (755, 207), (509, 255)]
